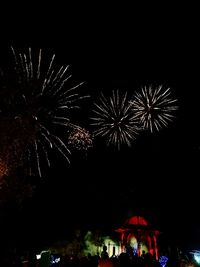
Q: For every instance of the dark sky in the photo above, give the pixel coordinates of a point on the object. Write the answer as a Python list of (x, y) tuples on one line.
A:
[(122, 48)]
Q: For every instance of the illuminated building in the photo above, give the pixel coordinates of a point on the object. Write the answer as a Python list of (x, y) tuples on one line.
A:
[(136, 234)]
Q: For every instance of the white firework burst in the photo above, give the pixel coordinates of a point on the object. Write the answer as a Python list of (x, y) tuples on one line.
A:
[(115, 120), (38, 108), (154, 107)]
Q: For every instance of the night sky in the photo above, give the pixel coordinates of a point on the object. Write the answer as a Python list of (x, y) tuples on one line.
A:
[(120, 49)]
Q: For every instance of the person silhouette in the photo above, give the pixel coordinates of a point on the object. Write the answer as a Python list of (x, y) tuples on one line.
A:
[(104, 253), (105, 261)]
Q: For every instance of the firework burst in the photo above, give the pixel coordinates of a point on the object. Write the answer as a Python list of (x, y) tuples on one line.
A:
[(35, 111), (3, 169), (80, 139), (154, 107), (115, 120)]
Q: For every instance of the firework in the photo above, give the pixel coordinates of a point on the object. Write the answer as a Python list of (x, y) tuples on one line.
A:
[(115, 120), (154, 107), (35, 111), (80, 139), (3, 169)]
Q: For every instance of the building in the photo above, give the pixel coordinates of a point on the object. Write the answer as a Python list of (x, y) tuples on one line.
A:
[(137, 235)]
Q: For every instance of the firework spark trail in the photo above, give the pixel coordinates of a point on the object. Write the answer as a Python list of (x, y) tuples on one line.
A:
[(42, 104), (115, 120), (154, 107)]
